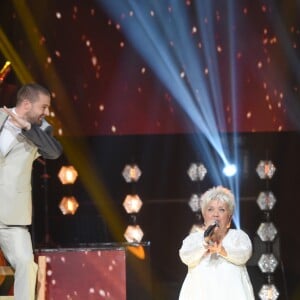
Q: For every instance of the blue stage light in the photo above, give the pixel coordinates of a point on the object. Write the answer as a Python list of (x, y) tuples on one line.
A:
[(230, 170)]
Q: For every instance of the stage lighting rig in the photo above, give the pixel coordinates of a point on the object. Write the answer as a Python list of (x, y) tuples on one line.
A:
[(267, 232), (132, 204), (68, 204), (4, 71)]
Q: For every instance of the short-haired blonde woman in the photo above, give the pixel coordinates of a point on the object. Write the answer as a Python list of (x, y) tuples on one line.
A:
[(216, 255)]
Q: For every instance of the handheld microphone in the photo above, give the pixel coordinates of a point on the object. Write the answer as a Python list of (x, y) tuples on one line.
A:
[(210, 229)]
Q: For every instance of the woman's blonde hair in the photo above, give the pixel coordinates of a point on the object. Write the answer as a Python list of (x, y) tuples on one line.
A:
[(218, 193)]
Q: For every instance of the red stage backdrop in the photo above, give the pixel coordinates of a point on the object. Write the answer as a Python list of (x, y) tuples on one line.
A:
[(103, 85), (85, 274)]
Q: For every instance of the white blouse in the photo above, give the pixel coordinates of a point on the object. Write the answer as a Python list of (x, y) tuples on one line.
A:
[(214, 277)]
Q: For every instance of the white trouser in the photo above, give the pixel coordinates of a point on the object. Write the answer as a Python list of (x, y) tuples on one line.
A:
[(16, 245)]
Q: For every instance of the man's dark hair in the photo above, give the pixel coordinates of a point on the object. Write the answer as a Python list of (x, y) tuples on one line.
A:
[(31, 92)]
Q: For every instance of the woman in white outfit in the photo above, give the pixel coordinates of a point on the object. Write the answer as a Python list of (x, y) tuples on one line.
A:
[(215, 254)]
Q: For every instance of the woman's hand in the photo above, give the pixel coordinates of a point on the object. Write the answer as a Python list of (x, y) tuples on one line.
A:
[(16, 120), (214, 247)]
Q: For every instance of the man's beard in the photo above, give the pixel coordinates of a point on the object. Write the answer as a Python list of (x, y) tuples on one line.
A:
[(34, 120)]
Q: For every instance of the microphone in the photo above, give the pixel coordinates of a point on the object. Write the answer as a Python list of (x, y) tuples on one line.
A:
[(210, 229)]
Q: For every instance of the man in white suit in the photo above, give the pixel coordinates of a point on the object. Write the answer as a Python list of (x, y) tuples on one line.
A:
[(24, 136)]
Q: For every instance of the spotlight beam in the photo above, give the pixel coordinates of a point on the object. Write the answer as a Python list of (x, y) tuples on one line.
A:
[(163, 35), (10, 54), (164, 61), (80, 157)]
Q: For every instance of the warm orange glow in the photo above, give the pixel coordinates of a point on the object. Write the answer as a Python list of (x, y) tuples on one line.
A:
[(5, 70), (132, 204), (9, 52), (68, 205), (137, 251), (67, 175)]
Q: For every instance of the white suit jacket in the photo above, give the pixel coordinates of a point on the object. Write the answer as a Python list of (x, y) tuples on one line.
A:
[(16, 168)]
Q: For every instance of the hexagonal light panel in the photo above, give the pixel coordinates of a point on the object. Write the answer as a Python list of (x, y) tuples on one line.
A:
[(67, 174), (265, 169), (267, 232), (131, 173), (133, 234), (196, 171), (68, 205), (268, 292), (132, 204), (266, 200), (268, 263), (194, 203)]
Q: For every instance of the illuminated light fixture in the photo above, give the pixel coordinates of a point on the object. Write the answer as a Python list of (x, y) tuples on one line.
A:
[(268, 263), (132, 204), (133, 234), (229, 170), (196, 171), (68, 205), (67, 174), (5, 70), (267, 232), (194, 203), (266, 200), (268, 292), (131, 173), (265, 169)]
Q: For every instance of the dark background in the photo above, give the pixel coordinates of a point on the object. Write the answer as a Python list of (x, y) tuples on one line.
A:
[(107, 113)]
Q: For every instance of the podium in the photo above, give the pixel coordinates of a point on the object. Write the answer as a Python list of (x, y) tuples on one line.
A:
[(98, 271)]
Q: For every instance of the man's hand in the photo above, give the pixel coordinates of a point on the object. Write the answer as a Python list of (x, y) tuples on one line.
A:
[(16, 120)]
